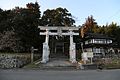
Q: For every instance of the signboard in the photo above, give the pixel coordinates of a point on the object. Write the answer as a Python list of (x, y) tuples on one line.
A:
[(59, 31), (87, 54)]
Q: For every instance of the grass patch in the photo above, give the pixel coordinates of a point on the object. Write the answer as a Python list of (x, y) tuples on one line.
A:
[(109, 63), (33, 65), (113, 64)]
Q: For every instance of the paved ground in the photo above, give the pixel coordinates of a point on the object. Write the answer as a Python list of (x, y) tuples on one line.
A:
[(58, 63), (26, 74)]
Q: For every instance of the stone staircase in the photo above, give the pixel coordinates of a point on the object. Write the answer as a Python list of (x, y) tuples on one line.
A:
[(58, 55)]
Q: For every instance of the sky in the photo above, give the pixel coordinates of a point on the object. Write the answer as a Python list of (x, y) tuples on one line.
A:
[(103, 11)]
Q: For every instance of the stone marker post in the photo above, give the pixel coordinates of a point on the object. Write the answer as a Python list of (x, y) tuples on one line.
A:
[(32, 53)]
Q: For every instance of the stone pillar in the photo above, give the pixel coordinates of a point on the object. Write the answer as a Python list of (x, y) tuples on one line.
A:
[(46, 52), (72, 50), (32, 52), (84, 57)]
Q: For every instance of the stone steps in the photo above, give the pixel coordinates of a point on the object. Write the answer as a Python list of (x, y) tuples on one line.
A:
[(58, 55)]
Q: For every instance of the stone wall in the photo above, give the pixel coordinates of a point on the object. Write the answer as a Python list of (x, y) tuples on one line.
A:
[(14, 60)]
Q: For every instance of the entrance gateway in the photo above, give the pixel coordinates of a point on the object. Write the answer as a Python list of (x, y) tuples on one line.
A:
[(61, 31)]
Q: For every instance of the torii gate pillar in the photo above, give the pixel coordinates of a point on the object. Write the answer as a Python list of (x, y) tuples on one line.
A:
[(46, 52), (72, 50)]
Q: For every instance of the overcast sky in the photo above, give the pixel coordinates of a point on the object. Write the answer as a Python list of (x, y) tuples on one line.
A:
[(104, 11)]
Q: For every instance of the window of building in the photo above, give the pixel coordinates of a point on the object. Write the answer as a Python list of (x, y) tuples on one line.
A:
[(99, 41), (98, 50), (86, 42)]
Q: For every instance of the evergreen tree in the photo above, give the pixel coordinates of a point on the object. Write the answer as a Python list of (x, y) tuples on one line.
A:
[(57, 17)]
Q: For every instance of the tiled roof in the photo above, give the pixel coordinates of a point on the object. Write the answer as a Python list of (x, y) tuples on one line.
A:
[(97, 36)]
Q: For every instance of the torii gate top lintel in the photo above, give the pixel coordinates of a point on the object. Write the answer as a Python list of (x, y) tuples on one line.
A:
[(59, 30), (57, 27)]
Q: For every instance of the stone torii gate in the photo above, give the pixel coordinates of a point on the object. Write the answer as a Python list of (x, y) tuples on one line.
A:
[(48, 32)]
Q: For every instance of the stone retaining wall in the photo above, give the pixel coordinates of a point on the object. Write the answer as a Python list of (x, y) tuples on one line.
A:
[(14, 60)]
